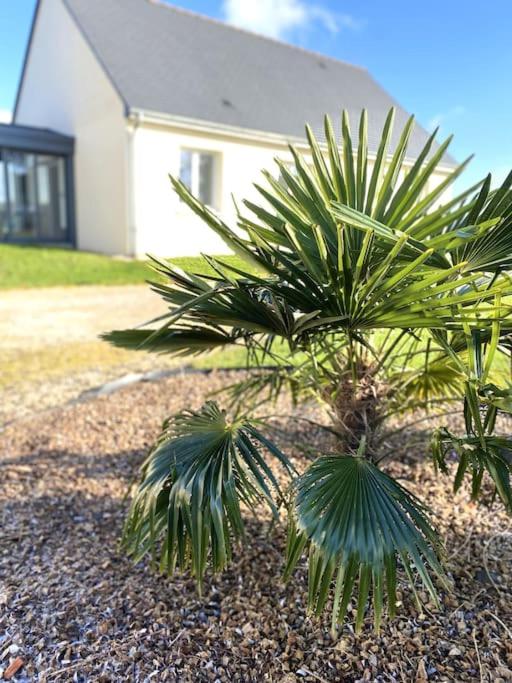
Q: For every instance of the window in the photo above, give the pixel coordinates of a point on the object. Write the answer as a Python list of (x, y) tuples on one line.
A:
[(33, 199), (197, 172)]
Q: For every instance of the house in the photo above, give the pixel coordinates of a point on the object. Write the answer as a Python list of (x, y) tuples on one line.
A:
[(117, 94)]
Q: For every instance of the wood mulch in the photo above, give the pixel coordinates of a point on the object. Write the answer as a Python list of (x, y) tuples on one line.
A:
[(72, 608)]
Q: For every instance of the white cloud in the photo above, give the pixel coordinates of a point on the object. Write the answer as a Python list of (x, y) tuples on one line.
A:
[(443, 117), (5, 116), (279, 18)]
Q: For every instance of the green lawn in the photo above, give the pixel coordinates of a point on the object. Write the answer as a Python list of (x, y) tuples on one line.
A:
[(24, 267)]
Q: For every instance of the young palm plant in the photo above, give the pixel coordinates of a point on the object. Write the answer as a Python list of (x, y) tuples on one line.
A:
[(370, 292)]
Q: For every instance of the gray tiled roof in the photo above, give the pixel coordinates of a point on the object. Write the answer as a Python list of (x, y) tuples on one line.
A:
[(167, 60)]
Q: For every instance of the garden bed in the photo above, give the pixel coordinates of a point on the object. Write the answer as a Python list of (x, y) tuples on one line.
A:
[(72, 608)]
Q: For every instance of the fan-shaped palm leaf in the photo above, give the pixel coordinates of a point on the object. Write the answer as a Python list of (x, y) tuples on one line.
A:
[(359, 522), (333, 254), (187, 505)]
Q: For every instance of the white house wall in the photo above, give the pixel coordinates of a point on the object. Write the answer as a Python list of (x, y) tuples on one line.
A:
[(65, 89), (164, 226)]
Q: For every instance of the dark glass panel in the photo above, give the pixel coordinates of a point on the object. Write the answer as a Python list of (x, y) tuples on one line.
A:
[(21, 175), (51, 195), (4, 217)]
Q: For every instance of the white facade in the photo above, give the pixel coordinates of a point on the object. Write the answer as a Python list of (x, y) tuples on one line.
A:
[(65, 89), (124, 201), (164, 225)]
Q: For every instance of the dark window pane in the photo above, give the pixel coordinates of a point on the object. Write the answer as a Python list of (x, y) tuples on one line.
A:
[(22, 194), (51, 191), (4, 222)]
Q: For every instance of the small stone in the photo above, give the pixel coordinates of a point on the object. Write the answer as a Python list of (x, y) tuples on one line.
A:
[(421, 673), (289, 678), (342, 645), (103, 627), (504, 672), (13, 668)]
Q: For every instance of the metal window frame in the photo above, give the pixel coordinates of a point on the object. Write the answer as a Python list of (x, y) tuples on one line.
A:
[(45, 142)]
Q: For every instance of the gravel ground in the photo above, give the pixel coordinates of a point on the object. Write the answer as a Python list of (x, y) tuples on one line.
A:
[(52, 385), (73, 609)]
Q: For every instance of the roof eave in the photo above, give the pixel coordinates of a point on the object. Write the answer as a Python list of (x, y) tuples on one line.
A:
[(141, 115)]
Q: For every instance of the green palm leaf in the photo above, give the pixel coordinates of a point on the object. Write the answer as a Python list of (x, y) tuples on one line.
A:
[(480, 450), (359, 522), (477, 455), (437, 378), (187, 341), (491, 250), (187, 506)]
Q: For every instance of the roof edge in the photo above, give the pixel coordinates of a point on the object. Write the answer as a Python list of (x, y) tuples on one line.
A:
[(96, 55), (219, 22), (205, 126), (89, 44)]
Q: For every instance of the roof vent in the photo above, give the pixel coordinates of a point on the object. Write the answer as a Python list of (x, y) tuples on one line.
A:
[(227, 103)]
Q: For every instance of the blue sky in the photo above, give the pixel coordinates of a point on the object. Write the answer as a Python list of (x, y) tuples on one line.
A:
[(448, 61)]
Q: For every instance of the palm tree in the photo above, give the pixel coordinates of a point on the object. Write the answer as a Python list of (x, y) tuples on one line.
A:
[(368, 291)]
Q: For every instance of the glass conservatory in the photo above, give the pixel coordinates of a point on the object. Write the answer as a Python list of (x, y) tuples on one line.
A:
[(36, 186)]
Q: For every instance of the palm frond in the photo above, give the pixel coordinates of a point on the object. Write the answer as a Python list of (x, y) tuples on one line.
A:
[(480, 449), (489, 249), (359, 522), (434, 379), (264, 385), (187, 341), (488, 453), (338, 248), (187, 507)]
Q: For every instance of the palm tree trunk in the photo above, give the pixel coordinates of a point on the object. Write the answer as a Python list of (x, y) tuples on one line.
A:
[(355, 407)]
